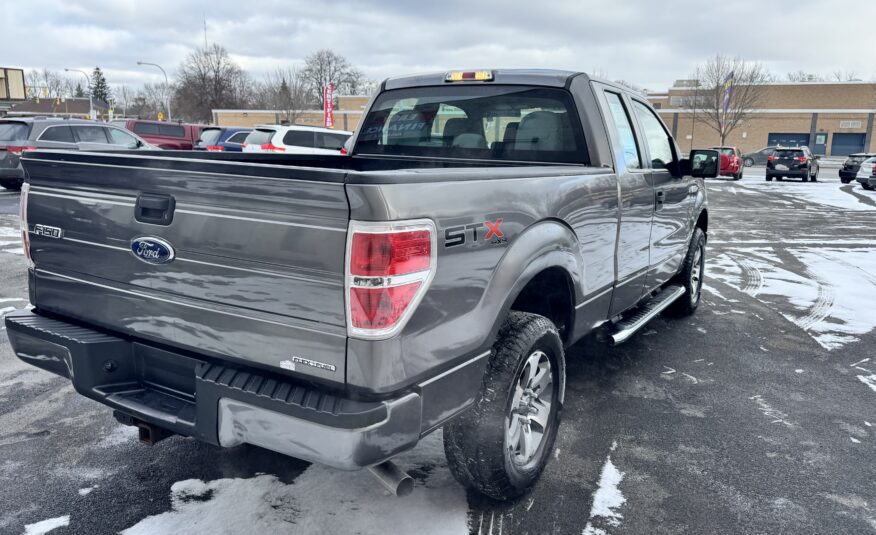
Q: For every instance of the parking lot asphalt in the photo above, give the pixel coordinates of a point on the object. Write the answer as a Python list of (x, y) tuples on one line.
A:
[(756, 415)]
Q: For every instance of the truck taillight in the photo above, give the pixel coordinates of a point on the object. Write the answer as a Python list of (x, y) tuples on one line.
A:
[(215, 148), (389, 268), (22, 218)]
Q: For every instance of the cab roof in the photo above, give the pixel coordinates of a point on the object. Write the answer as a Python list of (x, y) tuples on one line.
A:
[(539, 77)]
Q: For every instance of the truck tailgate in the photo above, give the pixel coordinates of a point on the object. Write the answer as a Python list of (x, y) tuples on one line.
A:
[(258, 269)]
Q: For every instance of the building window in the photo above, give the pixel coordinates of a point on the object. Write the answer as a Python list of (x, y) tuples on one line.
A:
[(850, 124)]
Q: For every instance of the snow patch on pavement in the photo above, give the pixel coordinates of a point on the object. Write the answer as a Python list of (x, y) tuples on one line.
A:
[(869, 380), (826, 302), (87, 490), (813, 193), (321, 500), (118, 436), (607, 499), (45, 526)]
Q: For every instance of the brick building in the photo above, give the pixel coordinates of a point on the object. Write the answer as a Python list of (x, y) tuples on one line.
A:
[(347, 113), (832, 118)]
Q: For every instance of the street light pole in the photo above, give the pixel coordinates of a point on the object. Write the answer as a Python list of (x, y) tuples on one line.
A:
[(166, 87), (88, 82)]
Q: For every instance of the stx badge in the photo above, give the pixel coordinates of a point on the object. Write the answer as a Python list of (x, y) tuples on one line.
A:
[(474, 233)]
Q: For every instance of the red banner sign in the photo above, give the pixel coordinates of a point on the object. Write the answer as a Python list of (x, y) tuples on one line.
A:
[(328, 108)]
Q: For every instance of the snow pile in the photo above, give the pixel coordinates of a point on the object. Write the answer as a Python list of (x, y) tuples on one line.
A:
[(45, 526), (608, 498), (320, 500)]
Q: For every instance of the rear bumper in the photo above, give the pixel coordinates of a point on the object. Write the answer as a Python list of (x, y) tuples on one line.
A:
[(216, 403), (870, 180), (847, 175)]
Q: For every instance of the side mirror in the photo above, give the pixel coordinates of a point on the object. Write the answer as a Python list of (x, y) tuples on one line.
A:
[(703, 164)]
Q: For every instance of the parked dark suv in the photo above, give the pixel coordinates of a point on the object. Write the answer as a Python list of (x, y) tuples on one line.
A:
[(796, 162), (852, 165), (758, 157), (18, 135)]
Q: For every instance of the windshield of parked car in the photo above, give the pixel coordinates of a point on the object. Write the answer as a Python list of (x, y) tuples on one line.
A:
[(511, 123), (13, 131), (788, 153)]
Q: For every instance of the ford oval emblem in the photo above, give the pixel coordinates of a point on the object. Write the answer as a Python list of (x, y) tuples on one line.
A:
[(152, 250)]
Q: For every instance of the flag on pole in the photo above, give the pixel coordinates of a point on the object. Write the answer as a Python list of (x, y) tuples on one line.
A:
[(729, 82), (328, 106)]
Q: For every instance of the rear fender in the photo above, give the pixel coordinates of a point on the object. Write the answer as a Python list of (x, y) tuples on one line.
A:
[(547, 244)]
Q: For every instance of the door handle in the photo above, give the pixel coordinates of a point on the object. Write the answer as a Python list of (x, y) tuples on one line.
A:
[(660, 197), (154, 209)]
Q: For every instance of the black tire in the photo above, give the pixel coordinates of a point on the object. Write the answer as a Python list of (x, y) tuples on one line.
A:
[(14, 185), (690, 277), (769, 178), (806, 176), (780, 178), (748, 162), (476, 442), (867, 187), (738, 176), (814, 176)]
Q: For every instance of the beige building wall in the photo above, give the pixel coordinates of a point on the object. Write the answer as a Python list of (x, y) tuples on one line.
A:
[(347, 115)]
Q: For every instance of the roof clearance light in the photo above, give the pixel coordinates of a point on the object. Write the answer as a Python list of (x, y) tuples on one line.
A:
[(469, 76)]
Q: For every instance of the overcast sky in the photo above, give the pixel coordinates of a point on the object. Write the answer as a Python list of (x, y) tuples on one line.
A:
[(644, 42)]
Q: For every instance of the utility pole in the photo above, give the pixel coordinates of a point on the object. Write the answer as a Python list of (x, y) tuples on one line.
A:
[(696, 103), (87, 81), (166, 87)]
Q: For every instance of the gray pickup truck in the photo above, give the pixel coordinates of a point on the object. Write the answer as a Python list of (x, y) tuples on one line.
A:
[(339, 308)]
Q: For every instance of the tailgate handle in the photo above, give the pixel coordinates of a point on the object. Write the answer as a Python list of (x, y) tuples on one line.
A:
[(154, 209)]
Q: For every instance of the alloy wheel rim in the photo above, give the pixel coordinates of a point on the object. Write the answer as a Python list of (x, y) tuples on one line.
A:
[(530, 416)]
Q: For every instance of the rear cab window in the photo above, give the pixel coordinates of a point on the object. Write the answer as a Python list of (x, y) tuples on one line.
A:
[(13, 131), (788, 154), (485, 122), (172, 130)]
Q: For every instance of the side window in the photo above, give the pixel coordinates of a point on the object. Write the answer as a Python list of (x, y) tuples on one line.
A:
[(655, 136), (146, 129), (330, 141), (299, 138), (625, 130), (237, 138), (61, 134), (171, 130), (120, 137), (90, 134)]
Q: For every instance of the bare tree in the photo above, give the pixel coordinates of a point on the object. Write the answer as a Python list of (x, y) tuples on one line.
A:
[(325, 67), (803, 76), (727, 91), (283, 89), (209, 79), (123, 96), (45, 84), (845, 76)]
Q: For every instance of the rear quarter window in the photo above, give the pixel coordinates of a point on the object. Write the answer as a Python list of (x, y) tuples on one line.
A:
[(237, 138)]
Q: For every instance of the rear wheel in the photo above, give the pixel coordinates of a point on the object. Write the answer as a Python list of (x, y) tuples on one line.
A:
[(806, 175), (738, 176), (14, 185), (769, 178), (691, 276), (501, 445), (749, 162), (867, 187)]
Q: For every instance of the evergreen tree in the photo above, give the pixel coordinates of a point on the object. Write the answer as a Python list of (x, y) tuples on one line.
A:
[(99, 88), (79, 93)]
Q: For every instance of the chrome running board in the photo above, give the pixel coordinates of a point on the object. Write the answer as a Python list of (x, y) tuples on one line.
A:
[(627, 327)]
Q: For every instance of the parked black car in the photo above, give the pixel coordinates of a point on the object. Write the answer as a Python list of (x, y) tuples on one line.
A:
[(758, 157), (796, 162), (852, 165), (20, 134)]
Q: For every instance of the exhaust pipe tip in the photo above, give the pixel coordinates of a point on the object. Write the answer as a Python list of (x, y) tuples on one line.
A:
[(394, 479)]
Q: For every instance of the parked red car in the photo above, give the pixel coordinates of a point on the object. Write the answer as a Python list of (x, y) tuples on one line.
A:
[(163, 134), (731, 162)]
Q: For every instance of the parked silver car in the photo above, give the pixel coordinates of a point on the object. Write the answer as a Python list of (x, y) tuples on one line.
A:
[(20, 134)]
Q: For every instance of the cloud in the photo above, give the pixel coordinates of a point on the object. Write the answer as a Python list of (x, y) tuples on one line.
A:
[(650, 44)]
